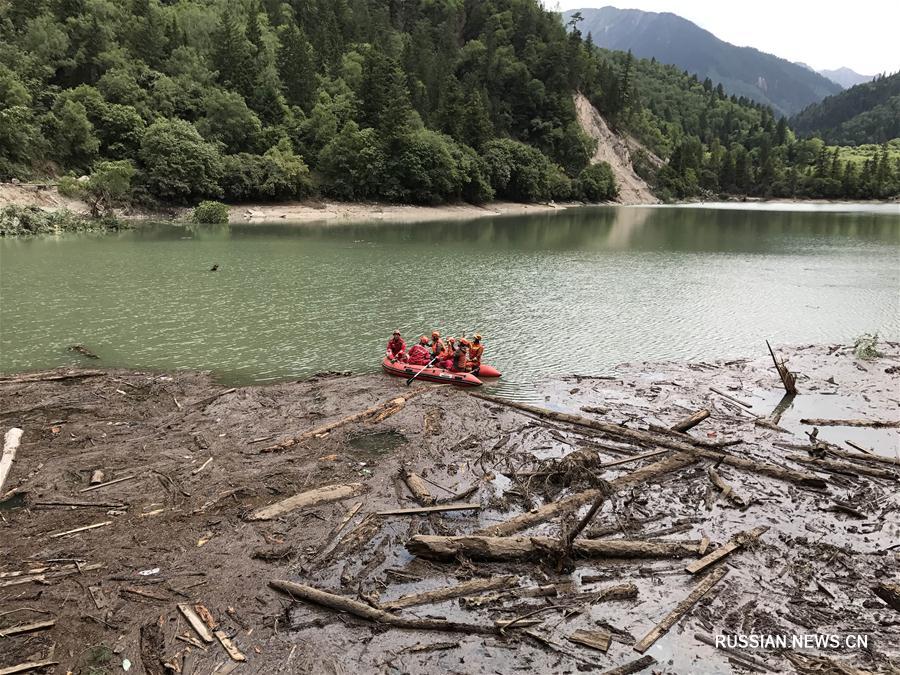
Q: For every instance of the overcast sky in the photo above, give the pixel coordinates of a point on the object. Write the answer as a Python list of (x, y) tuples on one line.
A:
[(861, 34)]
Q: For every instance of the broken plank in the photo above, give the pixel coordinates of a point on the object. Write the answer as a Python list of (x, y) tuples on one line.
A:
[(736, 542), (450, 592), (107, 483), (81, 529), (146, 594), (517, 548), (417, 486), (631, 667), (229, 646), (888, 592), (681, 609), (196, 622), (27, 628), (323, 495), (595, 639), (431, 509), (51, 575), (10, 445), (25, 667), (363, 611)]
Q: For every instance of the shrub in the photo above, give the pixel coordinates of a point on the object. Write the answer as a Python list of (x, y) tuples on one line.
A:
[(30, 220), (279, 174), (521, 172), (424, 168), (866, 347), (596, 183), (179, 165), (352, 163), (109, 186), (210, 213)]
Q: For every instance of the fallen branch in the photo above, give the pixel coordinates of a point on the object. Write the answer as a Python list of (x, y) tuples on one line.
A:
[(788, 379), (196, 622), (96, 505), (877, 424), (81, 529), (107, 483), (431, 509), (52, 376), (363, 611), (10, 445), (631, 667), (395, 404), (737, 541), (634, 458), (44, 576), (27, 628), (573, 502), (843, 467), (25, 667), (771, 470), (725, 490), (680, 610), (450, 592), (731, 398), (691, 421), (888, 592), (322, 495), (517, 548)]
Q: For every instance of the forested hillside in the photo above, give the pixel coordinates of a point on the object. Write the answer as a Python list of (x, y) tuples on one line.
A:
[(866, 113), (403, 100), (785, 86)]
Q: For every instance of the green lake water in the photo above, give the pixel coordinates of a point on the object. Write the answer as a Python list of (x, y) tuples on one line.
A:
[(575, 291)]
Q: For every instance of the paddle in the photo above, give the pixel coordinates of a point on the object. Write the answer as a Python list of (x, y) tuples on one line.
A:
[(409, 381)]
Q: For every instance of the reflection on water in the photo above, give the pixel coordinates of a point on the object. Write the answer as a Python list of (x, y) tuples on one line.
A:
[(571, 291)]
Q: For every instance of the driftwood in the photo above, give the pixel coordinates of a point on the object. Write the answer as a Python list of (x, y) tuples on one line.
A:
[(107, 483), (395, 404), (196, 622), (691, 421), (595, 639), (634, 458), (770, 470), (229, 646), (730, 397), (517, 548), (363, 611), (736, 542), (450, 592), (94, 505), (322, 495), (25, 667), (27, 628), (877, 424), (548, 591), (684, 443), (888, 592), (44, 574), (631, 667), (680, 610), (467, 506), (844, 454), (417, 486), (81, 529), (769, 424), (725, 490), (549, 511), (788, 379), (52, 377), (843, 467), (10, 446)]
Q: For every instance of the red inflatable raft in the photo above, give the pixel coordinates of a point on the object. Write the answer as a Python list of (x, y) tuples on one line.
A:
[(434, 374)]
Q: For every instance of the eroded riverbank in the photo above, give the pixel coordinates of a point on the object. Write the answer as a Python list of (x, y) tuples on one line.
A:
[(195, 462)]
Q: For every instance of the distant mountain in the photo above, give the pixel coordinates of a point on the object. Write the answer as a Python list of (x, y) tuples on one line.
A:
[(845, 77), (744, 71), (866, 113)]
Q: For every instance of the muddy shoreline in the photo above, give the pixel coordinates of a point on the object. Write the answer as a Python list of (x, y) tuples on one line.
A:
[(191, 463)]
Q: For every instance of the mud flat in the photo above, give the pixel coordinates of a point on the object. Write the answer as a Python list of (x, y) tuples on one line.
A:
[(351, 523)]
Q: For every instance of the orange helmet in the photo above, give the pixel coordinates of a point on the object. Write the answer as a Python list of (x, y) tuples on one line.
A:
[(477, 337), (435, 334), (423, 340)]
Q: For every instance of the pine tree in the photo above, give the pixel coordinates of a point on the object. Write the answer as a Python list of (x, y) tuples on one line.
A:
[(232, 55), (296, 66)]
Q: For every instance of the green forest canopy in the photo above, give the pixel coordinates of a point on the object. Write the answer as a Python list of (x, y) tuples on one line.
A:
[(408, 100)]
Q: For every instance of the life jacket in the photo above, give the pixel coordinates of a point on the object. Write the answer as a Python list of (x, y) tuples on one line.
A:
[(475, 352), (396, 347), (459, 360), (419, 355), (438, 348)]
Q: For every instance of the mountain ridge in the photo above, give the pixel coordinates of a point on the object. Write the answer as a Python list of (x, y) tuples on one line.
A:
[(743, 71)]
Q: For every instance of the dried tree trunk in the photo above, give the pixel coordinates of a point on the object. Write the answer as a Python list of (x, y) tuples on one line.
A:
[(691, 421)]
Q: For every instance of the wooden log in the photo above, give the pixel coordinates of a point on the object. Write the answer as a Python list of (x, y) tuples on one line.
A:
[(517, 548), (685, 443), (634, 458), (769, 424), (25, 667), (465, 506), (681, 609), (843, 467), (766, 469), (395, 404), (631, 667), (844, 454), (52, 376), (322, 495), (10, 445), (788, 379), (27, 628), (229, 646), (690, 421), (877, 424), (417, 486), (363, 611), (450, 592), (81, 529), (731, 398), (888, 592), (108, 483), (595, 639), (737, 541), (725, 490), (674, 462), (549, 590), (196, 622), (44, 575)]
